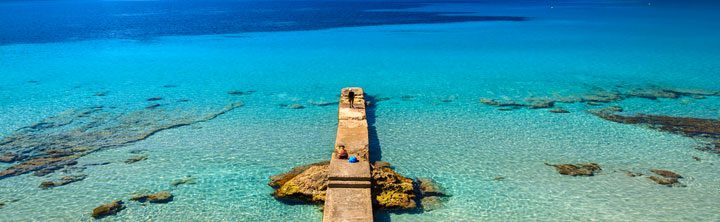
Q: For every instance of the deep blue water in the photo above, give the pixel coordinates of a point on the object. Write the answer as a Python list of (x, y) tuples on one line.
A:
[(56, 21)]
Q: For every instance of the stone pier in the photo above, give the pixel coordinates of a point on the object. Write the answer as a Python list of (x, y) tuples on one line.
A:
[(348, 194)]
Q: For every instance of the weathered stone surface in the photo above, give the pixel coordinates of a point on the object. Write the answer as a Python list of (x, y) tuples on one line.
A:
[(310, 185), (63, 181), (584, 169), (278, 180), (159, 197), (185, 180), (58, 141), (108, 209), (392, 190), (136, 158)]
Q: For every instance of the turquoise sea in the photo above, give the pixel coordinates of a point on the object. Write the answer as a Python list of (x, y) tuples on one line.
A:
[(431, 69)]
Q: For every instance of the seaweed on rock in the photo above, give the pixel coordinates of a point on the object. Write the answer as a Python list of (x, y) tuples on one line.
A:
[(58, 141)]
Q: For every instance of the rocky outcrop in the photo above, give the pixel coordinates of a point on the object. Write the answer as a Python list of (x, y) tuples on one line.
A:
[(584, 169), (108, 209), (666, 177), (391, 190), (57, 141), (63, 181), (159, 197), (310, 185)]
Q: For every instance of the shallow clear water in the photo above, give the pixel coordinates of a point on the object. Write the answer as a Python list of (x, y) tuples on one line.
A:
[(566, 49)]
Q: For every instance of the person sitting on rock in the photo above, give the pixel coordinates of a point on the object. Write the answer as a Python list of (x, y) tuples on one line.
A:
[(341, 152)]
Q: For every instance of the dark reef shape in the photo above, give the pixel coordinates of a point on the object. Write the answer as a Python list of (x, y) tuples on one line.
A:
[(108, 209), (182, 181), (101, 94), (136, 158), (599, 97), (308, 184), (292, 106), (153, 106), (154, 99), (322, 103), (667, 178), (584, 169), (159, 197), (559, 110), (692, 127), (65, 180), (58, 141)]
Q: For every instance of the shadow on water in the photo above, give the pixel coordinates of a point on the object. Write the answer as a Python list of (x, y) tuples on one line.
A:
[(374, 146), (375, 149)]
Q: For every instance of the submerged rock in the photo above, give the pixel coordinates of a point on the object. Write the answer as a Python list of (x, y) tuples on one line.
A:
[(666, 173), (2, 205), (431, 203), (236, 92), (292, 106), (559, 110), (63, 181), (153, 106), (407, 98), (159, 197), (664, 181), (8, 157), (584, 169), (322, 104), (101, 94), (428, 187), (185, 180), (540, 103), (136, 158), (667, 178), (693, 127), (57, 141), (108, 209), (506, 103)]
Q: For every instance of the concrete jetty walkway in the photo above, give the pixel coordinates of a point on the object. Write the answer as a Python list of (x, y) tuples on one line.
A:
[(348, 194)]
